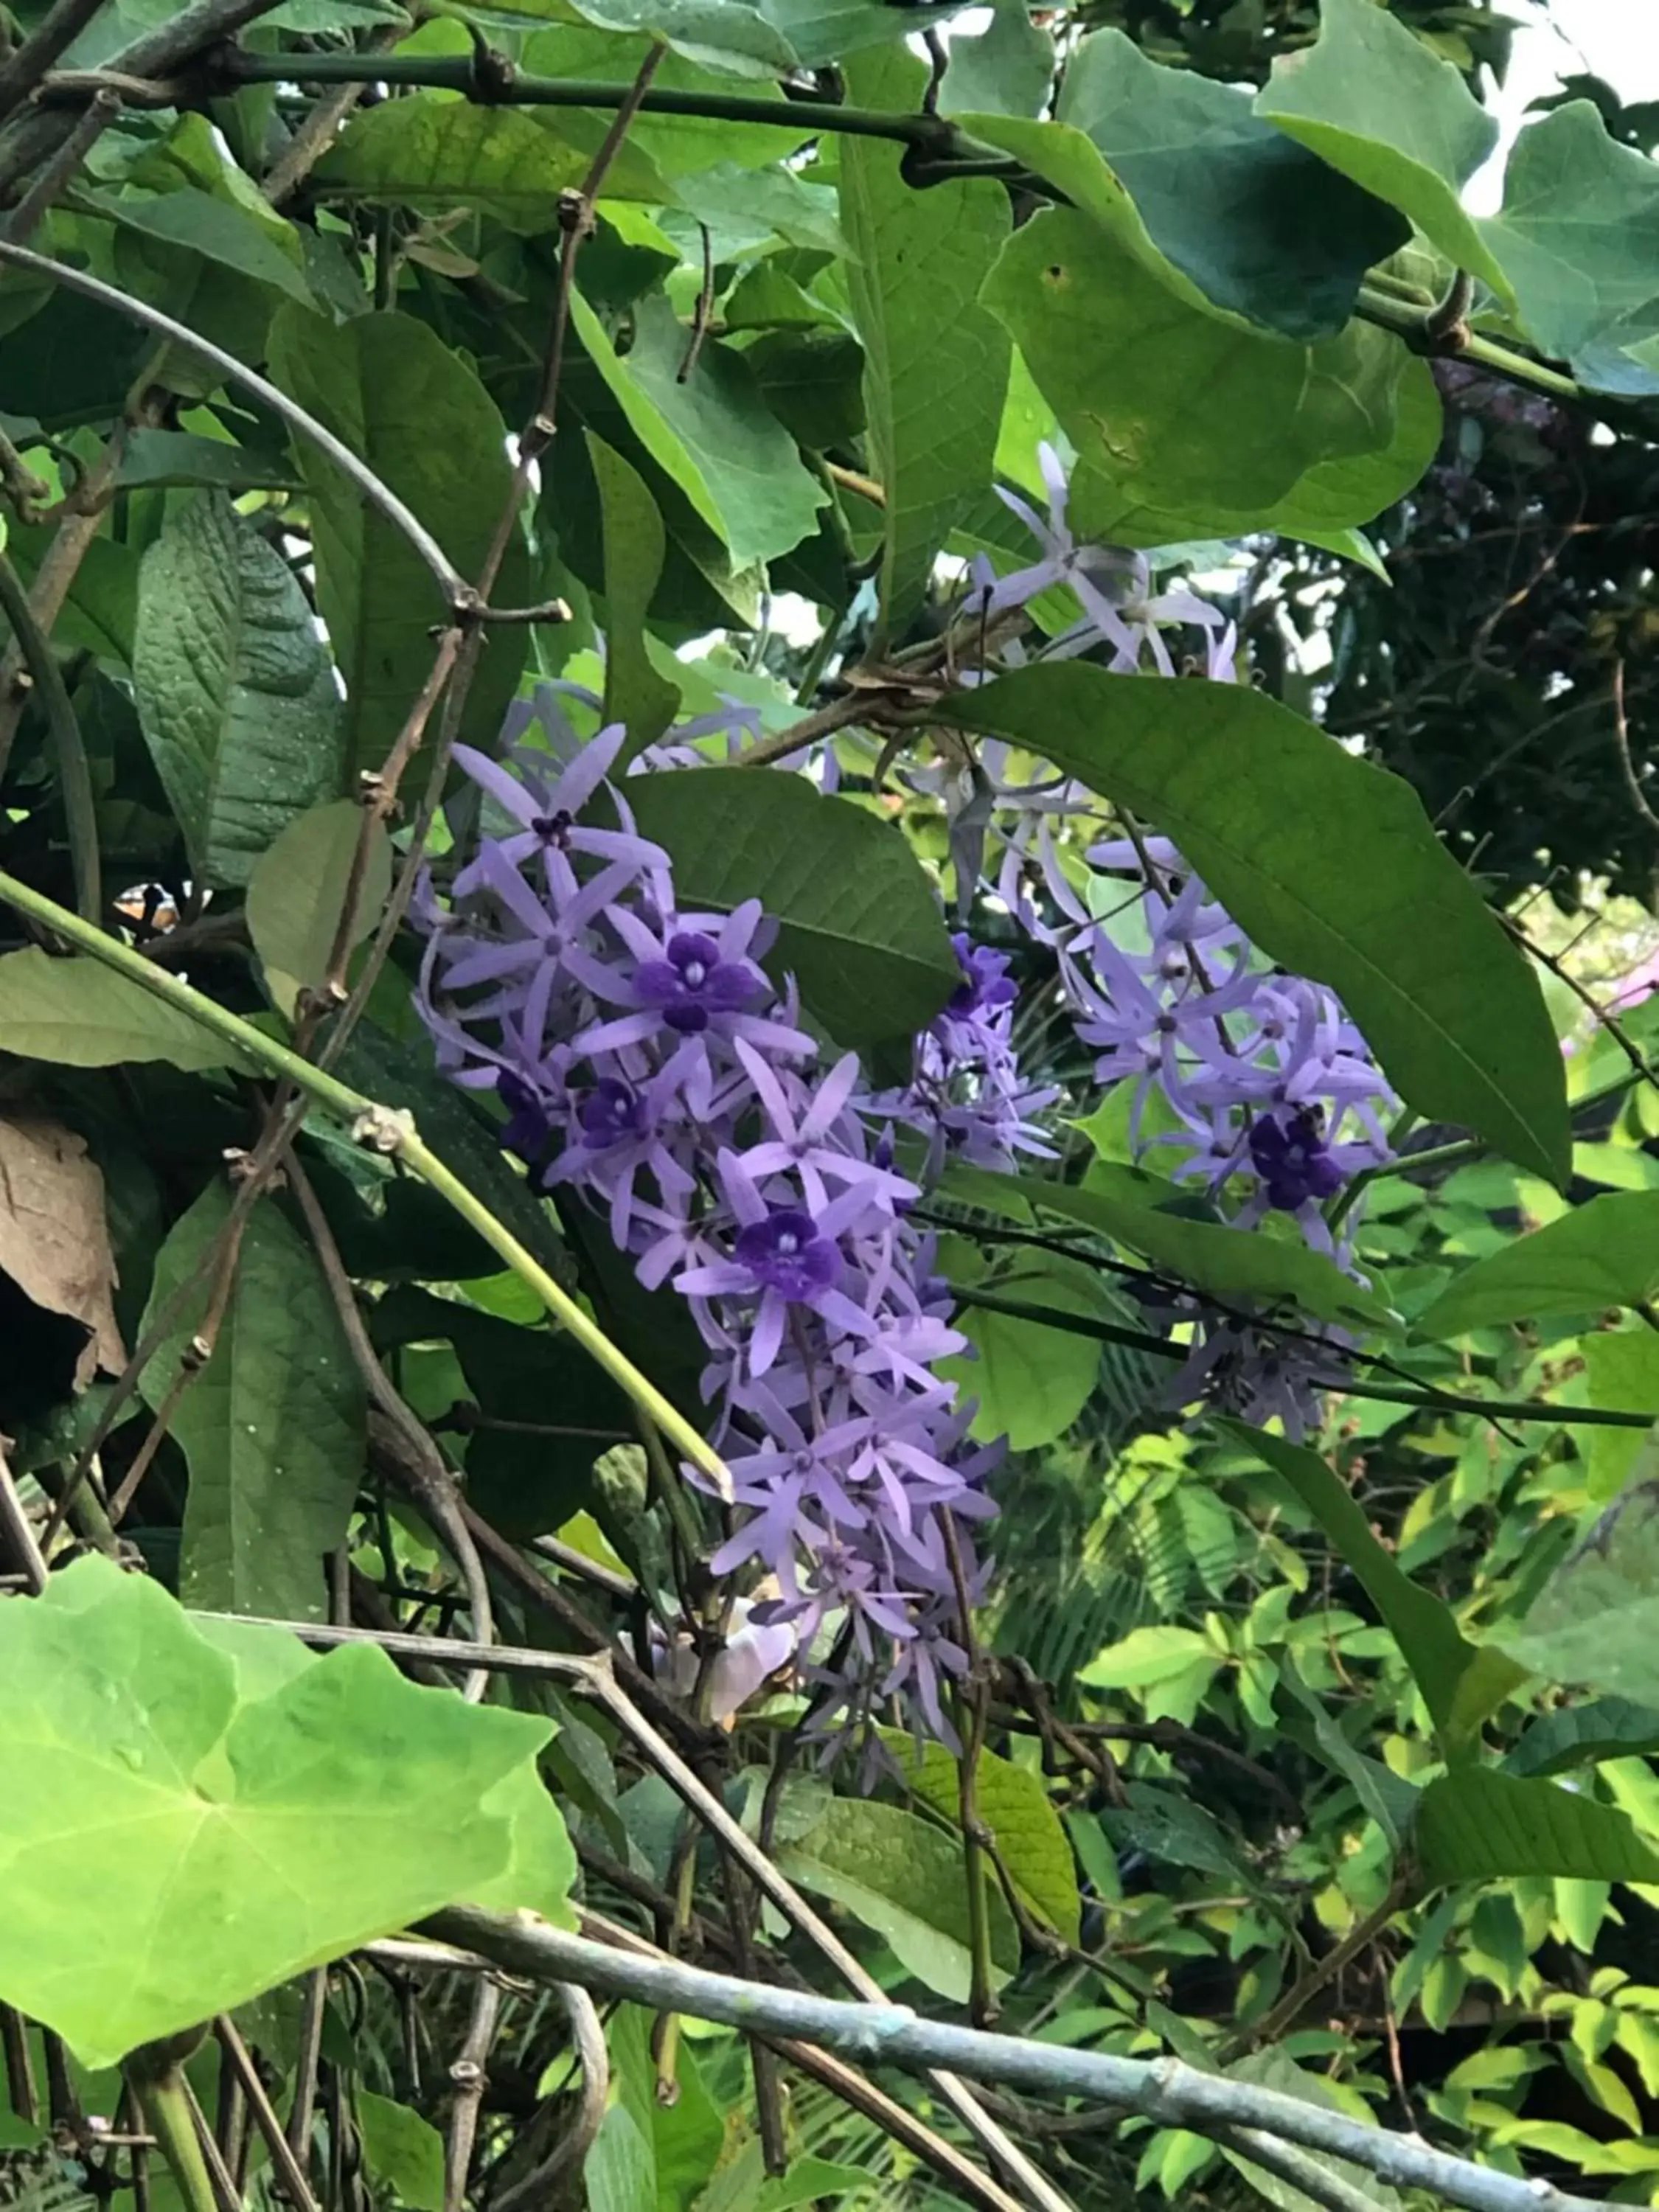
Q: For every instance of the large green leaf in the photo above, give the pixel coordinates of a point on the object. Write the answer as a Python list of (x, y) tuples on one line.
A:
[(1178, 404), (935, 363), (1228, 1263), (160, 1784), (1027, 1379), (402, 2151), (635, 542), (1006, 69), (235, 690), (1379, 105), (1480, 1825), (273, 1427), (1578, 235), (1257, 223), (677, 145), (1430, 1642), (296, 895), (1331, 866), (1605, 1254), (859, 927), (1595, 1623), (392, 389), (1014, 1805), (434, 153), (77, 1012), (906, 1879), (709, 430)]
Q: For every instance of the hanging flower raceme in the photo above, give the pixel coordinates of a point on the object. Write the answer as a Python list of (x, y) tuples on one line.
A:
[(650, 1065)]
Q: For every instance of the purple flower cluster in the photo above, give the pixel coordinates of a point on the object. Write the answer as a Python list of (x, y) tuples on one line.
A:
[(1253, 1082), (649, 1066)]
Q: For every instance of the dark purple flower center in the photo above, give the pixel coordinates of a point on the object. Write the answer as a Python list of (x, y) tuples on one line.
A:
[(985, 987), (609, 1112), (693, 982), (554, 829), (1293, 1160), (785, 1253), (528, 1125)]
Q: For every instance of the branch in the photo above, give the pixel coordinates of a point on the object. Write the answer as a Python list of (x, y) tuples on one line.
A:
[(458, 595), (1166, 2090), (74, 777), (60, 29)]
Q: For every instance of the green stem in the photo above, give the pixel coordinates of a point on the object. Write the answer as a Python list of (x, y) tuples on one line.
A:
[(458, 73), (383, 1130), (166, 2106), (1408, 322), (74, 777)]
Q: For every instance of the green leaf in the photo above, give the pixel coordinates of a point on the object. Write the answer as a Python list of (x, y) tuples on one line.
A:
[(1578, 233), (433, 152), (1274, 2068), (1257, 223), (1390, 1799), (1430, 1640), (859, 927), (296, 1818), (710, 431), (1013, 1804), (1595, 1623), (1146, 1656), (720, 35), (1030, 1381), (234, 688), (1477, 1824), (635, 542), (1622, 1369), (273, 1427), (935, 363), (402, 2151), (813, 382), (217, 229), (1223, 1261), (823, 31), (1006, 69), (1584, 1735), (297, 892), (677, 145), (1176, 405), (1605, 1254), (1331, 866), (906, 1879), (150, 458), (408, 404), (1376, 103), (79, 1013)]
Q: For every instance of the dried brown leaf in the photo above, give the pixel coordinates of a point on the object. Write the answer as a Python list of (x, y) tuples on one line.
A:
[(54, 1235)]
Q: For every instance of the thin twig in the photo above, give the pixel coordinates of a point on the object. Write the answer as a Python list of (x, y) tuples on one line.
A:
[(17, 1531), (289, 2171), (569, 2154), (319, 129), (305, 2066), (702, 311), (470, 2074), (57, 174), (430, 1479), (1621, 739), (458, 594), (74, 776), (61, 27)]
